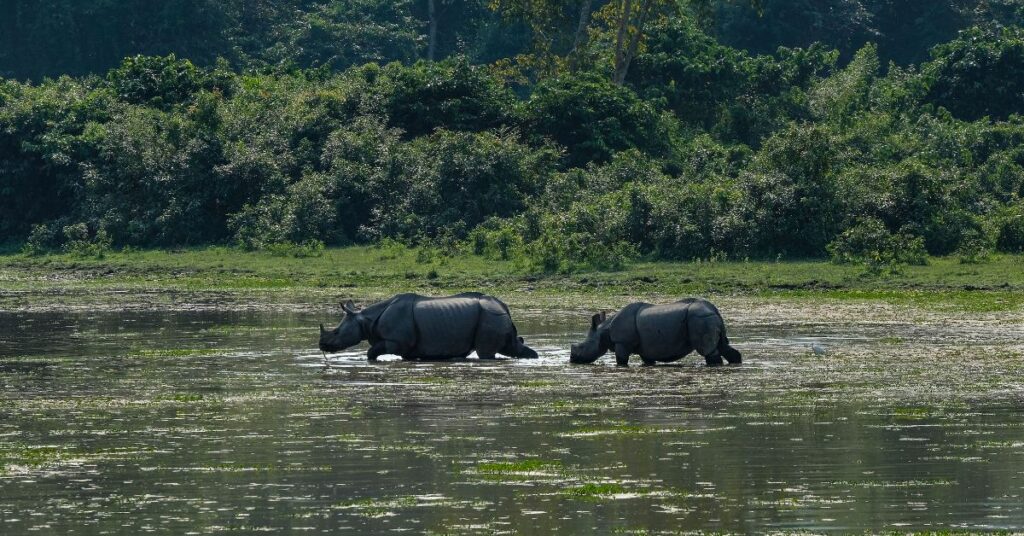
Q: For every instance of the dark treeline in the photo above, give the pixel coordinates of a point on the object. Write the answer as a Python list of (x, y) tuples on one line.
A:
[(40, 38), (562, 133)]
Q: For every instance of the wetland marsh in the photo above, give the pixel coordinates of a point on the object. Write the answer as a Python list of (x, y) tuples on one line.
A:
[(188, 410)]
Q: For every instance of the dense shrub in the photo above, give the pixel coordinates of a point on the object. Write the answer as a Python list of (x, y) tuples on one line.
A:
[(706, 152), (452, 94), (791, 192), (977, 74), (449, 182), (80, 241), (1009, 229), (156, 81), (725, 90), (593, 119), (870, 243)]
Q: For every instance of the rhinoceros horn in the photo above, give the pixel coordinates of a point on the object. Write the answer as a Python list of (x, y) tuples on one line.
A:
[(322, 330)]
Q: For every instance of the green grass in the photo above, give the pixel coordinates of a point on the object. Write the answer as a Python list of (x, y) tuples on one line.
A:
[(367, 272), (176, 352), (594, 490), (518, 467)]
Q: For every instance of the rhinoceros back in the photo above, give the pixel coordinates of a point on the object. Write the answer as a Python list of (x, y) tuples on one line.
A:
[(446, 327), (662, 331)]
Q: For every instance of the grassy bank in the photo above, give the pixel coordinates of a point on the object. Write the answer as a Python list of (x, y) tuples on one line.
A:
[(371, 271)]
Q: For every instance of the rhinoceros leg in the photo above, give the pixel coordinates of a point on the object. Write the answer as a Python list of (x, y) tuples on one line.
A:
[(382, 348), (622, 353), (376, 351), (486, 343), (705, 332)]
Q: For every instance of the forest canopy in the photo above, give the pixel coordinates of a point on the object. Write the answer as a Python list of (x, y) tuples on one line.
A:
[(568, 133)]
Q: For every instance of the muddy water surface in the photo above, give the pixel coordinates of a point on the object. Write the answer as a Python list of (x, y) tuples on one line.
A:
[(203, 422)]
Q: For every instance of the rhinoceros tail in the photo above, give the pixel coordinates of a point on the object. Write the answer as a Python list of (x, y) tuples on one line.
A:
[(730, 354)]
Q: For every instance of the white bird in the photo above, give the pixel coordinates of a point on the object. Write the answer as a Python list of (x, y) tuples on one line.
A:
[(817, 348)]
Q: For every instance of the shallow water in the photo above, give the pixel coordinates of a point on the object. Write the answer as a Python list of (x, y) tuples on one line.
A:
[(208, 421)]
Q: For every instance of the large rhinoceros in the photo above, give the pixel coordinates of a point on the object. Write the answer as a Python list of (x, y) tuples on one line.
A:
[(419, 327), (659, 333)]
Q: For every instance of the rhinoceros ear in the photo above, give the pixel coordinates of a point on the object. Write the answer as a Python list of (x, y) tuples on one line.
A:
[(349, 307), (595, 321), (604, 316)]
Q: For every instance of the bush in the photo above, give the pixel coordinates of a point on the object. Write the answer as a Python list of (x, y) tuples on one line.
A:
[(157, 81), (44, 238), (445, 184), (1009, 229), (975, 248), (792, 193), (451, 95), (311, 248), (587, 236), (564, 253), (871, 244), (498, 239), (976, 75), (80, 242), (593, 119)]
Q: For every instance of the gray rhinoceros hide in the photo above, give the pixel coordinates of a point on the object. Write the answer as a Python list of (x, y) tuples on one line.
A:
[(418, 327), (662, 333)]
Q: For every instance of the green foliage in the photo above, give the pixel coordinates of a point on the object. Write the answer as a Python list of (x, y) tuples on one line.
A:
[(845, 93), (312, 248), (563, 248), (706, 151), (723, 89), (1009, 229), (341, 34), (498, 239), (81, 242), (156, 81), (879, 250), (904, 31), (448, 183), (976, 74), (427, 96), (791, 190), (593, 119)]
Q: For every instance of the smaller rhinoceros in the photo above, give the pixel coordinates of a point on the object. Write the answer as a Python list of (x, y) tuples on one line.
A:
[(659, 333), (418, 327)]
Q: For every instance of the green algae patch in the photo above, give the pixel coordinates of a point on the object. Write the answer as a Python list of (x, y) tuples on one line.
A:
[(518, 467), (175, 353), (634, 430), (19, 458), (376, 508), (594, 491), (519, 471)]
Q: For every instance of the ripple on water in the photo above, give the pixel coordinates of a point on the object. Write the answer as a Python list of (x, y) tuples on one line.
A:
[(209, 421)]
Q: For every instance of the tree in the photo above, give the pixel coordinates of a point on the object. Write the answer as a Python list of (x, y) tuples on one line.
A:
[(978, 74), (432, 45)]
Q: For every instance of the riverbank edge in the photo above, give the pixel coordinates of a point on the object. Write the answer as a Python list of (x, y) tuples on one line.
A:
[(369, 272)]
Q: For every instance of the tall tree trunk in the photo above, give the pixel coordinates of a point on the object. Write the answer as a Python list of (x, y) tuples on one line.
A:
[(625, 14), (432, 45), (581, 34), (622, 67)]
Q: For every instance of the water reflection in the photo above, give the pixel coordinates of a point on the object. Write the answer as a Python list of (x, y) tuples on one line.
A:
[(213, 421)]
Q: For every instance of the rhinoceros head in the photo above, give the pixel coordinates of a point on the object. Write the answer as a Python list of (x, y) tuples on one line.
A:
[(348, 333), (595, 345)]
